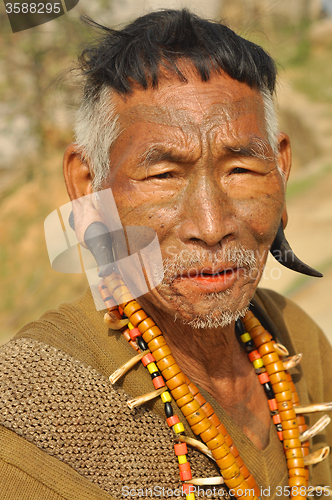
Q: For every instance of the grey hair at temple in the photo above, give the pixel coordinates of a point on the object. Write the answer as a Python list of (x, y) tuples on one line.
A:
[(140, 52)]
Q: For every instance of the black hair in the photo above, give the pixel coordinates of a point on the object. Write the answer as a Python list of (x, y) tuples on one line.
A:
[(159, 40)]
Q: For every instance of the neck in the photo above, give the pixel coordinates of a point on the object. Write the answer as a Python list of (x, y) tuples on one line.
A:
[(214, 360)]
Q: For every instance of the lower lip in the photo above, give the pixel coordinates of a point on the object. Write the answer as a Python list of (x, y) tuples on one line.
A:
[(213, 283)]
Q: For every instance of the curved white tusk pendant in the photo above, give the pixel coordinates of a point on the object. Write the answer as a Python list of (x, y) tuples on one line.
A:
[(140, 400), (115, 324), (317, 456), (299, 410), (126, 367), (315, 429), (196, 444), (205, 481), (292, 361), (281, 350)]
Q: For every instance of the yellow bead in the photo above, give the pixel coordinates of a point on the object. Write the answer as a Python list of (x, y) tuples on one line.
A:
[(191, 496), (130, 326), (166, 397), (182, 459), (152, 367), (177, 428), (245, 337), (258, 363)]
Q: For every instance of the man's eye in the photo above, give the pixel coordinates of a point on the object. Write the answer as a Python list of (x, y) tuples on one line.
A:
[(164, 175), (239, 170)]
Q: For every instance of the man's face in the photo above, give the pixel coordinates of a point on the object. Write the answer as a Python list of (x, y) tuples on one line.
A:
[(193, 162)]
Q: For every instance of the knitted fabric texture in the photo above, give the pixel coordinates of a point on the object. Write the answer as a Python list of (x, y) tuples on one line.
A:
[(73, 413)]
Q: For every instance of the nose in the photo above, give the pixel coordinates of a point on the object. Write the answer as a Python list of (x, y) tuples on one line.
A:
[(207, 214)]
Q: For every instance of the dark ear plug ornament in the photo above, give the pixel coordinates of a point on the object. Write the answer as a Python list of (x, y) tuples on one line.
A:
[(98, 240), (283, 253)]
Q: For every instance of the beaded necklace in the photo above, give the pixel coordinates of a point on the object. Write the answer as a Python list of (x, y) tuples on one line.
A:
[(145, 337)]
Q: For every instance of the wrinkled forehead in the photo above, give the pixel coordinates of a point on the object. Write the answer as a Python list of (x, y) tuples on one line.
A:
[(177, 104)]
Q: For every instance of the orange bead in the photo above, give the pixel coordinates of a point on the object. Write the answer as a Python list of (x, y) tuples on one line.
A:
[(283, 396), (292, 386), (193, 389), (146, 324), (126, 334), (184, 400), (162, 352), (222, 429), (214, 420), (295, 399), (244, 471), (300, 420), (292, 443), (175, 382), (257, 330), (228, 440), (295, 462), (190, 408), (201, 426), (285, 405), (297, 481), (121, 290), (280, 387), (200, 399), (289, 424), (230, 472), (234, 451), (220, 452), (207, 408), (266, 348), (169, 372), (302, 428), (131, 308), (293, 453), (251, 323), (166, 362), (151, 333), (291, 434), (111, 304), (156, 343), (180, 392), (272, 357), (239, 461), (251, 482), (216, 442), (278, 366), (209, 434), (125, 298), (261, 339), (195, 417), (138, 317), (235, 481), (225, 462), (278, 377)]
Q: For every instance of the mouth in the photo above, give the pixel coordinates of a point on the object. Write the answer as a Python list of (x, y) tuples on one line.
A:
[(208, 279)]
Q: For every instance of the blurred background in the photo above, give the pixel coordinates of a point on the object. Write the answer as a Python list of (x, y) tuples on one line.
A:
[(38, 98)]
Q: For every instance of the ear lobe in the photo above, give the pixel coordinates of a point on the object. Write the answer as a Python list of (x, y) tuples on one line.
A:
[(79, 185), (284, 217), (284, 154)]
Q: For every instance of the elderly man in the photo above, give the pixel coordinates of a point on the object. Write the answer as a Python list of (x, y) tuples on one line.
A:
[(177, 120)]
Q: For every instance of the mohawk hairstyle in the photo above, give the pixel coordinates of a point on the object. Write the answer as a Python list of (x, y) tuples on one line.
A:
[(158, 41)]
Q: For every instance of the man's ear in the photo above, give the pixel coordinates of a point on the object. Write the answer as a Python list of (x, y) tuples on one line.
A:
[(284, 157), (78, 180)]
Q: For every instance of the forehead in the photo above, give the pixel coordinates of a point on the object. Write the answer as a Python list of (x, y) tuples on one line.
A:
[(174, 103)]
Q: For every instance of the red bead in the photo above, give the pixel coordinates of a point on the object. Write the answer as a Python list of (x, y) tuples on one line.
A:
[(272, 404), (186, 475), (276, 419), (148, 358), (188, 488), (158, 382), (264, 378), (184, 467), (280, 436), (180, 449), (172, 420), (134, 333), (254, 355)]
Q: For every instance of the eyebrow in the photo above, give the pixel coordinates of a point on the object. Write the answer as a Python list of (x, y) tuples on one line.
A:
[(256, 148), (157, 154)]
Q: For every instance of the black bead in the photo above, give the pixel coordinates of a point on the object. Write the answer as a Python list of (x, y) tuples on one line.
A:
[(155, 375), (124, 316), (249, 346), (279, 427), (168, 410), (268, 390), (239, 328), (141, 343)]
